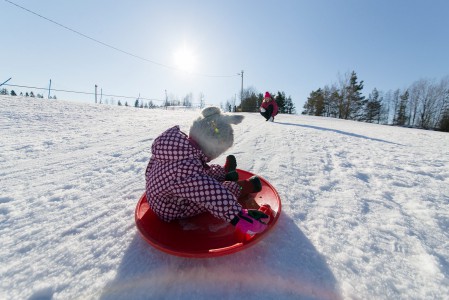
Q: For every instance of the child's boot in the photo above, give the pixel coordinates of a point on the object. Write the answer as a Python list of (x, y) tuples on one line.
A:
[(251, 185), (250, 221), (230, 169), (230, 164)]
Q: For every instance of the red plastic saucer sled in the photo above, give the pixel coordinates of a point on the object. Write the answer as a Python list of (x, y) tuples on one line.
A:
[(204, 235)]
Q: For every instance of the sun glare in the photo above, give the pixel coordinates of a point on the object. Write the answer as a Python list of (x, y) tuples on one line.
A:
[(185, 59)]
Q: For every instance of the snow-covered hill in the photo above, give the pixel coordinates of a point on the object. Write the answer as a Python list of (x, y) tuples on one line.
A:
[(365, 208)]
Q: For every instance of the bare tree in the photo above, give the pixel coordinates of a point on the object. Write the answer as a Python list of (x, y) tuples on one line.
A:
[(187, 101), (331, 101), (443, 88), (342, 94), (431, 95), (386, 104), (201, 100), (416, 90), (395, 104)]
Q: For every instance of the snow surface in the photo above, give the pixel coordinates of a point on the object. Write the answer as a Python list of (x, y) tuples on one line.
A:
[(365, 208)]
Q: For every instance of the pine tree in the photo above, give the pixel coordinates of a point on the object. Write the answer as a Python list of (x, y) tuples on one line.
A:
[(289, 106), (401, 116), (315, 103), (353, 99), (251, 100), (373, 107), (280, 100)]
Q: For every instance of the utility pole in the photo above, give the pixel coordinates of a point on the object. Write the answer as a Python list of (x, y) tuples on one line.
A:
[(241, 92), (166, 99), (49, 89), (96, 94)]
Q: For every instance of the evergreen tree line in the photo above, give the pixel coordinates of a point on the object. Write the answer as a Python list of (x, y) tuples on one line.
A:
[(30, 94), (424, 104), (171, 101), (251, 101), (138, 103)]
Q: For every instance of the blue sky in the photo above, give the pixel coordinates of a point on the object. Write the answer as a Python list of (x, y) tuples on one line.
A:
[(290, 46)]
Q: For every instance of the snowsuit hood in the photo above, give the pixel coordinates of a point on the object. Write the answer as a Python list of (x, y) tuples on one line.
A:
[(213, 132)]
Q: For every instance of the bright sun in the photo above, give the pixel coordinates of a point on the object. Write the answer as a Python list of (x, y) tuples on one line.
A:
[(185, 59)]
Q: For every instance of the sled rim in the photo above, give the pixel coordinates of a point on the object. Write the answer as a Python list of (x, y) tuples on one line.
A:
[(142, 209)]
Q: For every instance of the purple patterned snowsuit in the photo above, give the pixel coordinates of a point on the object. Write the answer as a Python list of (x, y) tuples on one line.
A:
[(180, 184)]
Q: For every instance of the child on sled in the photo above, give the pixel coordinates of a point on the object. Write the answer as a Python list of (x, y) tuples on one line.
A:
[(180, 183)]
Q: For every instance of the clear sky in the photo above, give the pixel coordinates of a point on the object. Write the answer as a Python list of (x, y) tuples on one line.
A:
[(290, 46)]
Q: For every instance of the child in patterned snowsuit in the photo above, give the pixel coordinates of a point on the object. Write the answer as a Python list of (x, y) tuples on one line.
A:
[(180, 183)]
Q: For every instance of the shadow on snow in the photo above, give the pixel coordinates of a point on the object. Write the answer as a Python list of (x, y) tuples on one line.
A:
[(340, 132), (283, 265)]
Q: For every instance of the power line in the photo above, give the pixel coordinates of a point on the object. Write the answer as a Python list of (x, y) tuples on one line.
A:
[(90, 93), (5, 81), (79, 92), (112, 47)]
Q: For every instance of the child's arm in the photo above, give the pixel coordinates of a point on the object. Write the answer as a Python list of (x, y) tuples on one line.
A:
[(216, 171), (210, 194)]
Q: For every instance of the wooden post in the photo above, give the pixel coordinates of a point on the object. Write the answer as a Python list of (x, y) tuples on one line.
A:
[(49, 89)]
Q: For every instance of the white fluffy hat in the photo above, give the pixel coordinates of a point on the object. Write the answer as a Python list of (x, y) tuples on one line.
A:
[(212, 131)]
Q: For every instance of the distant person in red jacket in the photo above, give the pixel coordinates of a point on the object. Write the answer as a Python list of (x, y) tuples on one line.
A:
[(269, 108)]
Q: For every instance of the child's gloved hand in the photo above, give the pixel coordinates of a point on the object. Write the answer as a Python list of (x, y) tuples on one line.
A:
[(262, 109), (232, 176), (251, 221)]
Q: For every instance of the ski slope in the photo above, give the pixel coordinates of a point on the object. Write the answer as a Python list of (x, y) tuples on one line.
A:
[(365, 208)]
